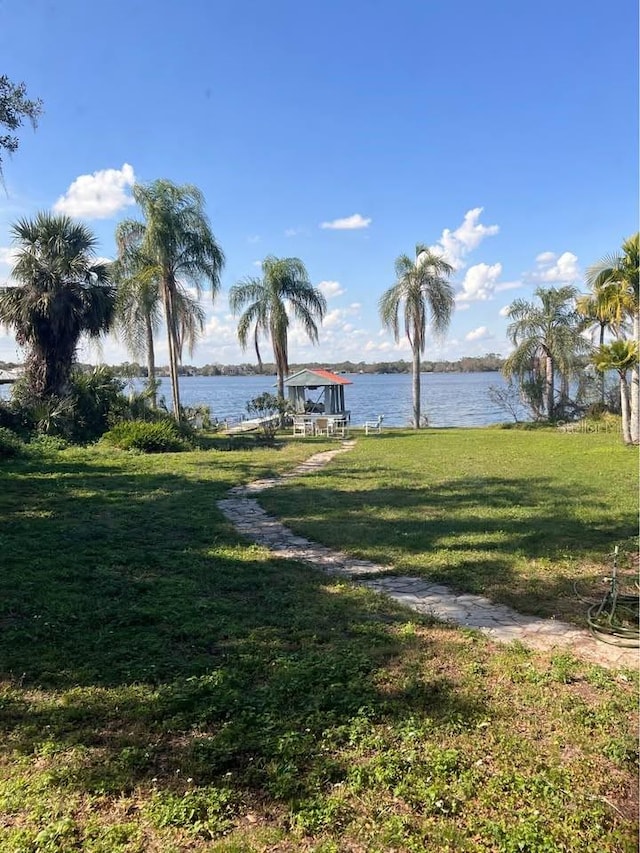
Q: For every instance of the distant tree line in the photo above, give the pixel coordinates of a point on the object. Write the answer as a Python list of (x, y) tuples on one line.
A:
[(489, 363)]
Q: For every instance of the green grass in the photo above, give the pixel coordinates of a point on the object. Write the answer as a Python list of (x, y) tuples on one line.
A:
[(166, 687), (525, 518)]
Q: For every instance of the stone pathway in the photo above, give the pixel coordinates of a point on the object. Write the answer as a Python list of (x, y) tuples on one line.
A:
[(497, 621)]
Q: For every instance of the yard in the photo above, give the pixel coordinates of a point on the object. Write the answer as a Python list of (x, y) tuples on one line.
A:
[(168, 687)]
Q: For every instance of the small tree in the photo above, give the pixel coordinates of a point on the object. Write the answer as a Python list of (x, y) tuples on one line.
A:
[(507, 398), (621, 356), (14, 108), (547, 338), (270, 409)]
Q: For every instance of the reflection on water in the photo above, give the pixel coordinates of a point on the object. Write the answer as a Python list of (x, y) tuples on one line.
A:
[(448, 399)]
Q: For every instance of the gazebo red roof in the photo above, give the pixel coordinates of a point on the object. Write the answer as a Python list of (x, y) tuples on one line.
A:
[(308, 377)]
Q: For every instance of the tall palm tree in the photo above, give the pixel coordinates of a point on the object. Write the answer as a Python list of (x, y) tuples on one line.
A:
[(548, 334), (175, 246), (139, 309), (616, 279), (63, 293), (621, 356), (426, 299), (284, 288)]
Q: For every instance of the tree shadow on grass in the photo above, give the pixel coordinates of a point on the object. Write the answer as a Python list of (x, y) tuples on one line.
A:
[(141, 640), (478, 534)]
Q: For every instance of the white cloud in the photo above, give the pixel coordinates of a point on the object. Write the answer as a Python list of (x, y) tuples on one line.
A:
[(8, 256), (98, 196), (557, 269), (253, 238), (348, 223), (479, 334), (333, 318), (330, 289), (456, 245), (504, 310), (508, 285), (386, 347), (479, 283), (216, 328)]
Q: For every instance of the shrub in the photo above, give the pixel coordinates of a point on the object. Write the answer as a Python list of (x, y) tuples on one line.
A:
[(16, 418), (47, 443), (10, 444), (270, 409), (93, 401), (508, 398), (96, 399), (198, 417), (146, 436)]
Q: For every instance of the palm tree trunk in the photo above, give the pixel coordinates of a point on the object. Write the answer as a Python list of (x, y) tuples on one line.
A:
[(602, 376), (635, 388), (173, 349), (280, 356), (625, 407), (548, 386), (280, 377), (416, 387), (151, 362)]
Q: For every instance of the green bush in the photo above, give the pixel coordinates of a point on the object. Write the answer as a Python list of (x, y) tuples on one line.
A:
[(93, 401), (47, 443), (10, 444), (16, 418), (526, 426), (146, 436), (96, 401), (266, 407)]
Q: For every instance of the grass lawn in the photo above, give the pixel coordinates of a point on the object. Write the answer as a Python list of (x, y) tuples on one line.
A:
[(166, 687), (525, 518)]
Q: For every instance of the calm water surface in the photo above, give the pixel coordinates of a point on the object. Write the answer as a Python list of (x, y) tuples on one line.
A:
[(448, 399)]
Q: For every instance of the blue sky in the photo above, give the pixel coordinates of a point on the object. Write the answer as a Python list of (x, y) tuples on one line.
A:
[(503, 134)]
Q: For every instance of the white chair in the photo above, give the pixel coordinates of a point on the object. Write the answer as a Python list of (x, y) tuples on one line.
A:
[(323, 426), (302, 426), (373, 426), (340, 427)]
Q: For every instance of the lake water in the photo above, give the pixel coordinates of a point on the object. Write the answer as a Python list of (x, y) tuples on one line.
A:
[(448, 399)]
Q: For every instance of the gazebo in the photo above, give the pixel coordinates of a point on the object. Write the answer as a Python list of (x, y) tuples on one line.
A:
[(328, 396)]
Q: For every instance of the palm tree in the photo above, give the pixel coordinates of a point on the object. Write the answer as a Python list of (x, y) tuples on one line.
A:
[(599, 316), (548, 335), (616, 279), (283, 288), (620, 356), (64, 293), (139, 308), (175, 246), (427, 298)]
